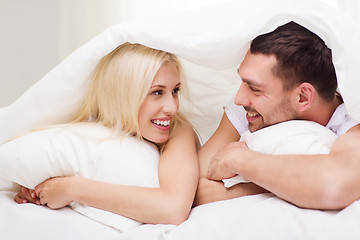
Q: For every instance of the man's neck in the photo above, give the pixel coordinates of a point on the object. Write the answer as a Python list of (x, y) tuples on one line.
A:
[(322, 111)]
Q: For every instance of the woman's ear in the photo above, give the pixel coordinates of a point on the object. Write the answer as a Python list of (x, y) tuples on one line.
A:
[(305, 96)]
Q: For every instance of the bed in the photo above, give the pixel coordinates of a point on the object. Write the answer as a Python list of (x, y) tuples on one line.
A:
[(254, 217), (211, 43)]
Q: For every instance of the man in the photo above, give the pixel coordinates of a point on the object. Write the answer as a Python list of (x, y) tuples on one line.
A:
[(287, 74)]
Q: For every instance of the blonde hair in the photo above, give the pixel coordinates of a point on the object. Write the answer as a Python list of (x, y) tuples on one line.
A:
[(120, 84)]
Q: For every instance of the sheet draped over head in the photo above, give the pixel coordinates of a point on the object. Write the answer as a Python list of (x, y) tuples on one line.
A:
[(210, 41)]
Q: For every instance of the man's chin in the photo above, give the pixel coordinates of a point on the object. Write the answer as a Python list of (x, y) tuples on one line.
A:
[(252, 128), (255, 127)]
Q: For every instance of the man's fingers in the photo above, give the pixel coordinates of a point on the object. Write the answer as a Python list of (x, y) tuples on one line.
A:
[(212, 169)]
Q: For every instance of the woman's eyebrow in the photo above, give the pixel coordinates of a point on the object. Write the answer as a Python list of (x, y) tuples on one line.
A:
[(158, 86), (163, 86)]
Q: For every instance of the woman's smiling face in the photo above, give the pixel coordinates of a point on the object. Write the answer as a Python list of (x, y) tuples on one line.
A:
[(160, 105)]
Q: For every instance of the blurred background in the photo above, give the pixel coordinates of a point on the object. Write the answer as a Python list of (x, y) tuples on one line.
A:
[(38, 34)]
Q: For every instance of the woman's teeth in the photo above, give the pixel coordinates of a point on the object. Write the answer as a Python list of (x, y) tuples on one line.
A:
[(252, 114), (161, 123)]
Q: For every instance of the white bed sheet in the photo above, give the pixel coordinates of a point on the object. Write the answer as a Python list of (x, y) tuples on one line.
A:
[(29, 221), (261, 216)]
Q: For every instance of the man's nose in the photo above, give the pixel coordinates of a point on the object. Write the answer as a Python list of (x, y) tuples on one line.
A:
[(242, 98)]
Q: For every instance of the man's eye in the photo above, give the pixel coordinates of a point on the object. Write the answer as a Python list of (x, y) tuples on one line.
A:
[(254, 89)]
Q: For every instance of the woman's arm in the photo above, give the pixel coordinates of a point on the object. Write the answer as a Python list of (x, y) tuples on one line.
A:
[(169, 204)]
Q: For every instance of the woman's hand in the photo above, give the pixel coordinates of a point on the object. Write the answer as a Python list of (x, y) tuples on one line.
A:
[(25, 195), (55, 192)]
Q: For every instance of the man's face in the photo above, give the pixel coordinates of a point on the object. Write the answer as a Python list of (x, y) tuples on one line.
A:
[(262, 94)]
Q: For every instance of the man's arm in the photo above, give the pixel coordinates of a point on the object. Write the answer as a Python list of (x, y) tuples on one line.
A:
[(224, 134), (330, 181), (209, 190)]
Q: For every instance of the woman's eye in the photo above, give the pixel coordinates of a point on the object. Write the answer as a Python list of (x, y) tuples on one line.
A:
[(176, 90), (157, 92)]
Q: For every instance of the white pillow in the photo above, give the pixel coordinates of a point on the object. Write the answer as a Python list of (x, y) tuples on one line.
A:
[(85, 150), (291, 137)]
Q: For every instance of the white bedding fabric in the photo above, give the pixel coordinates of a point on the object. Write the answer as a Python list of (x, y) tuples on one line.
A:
[(256, 217), (211, 42)]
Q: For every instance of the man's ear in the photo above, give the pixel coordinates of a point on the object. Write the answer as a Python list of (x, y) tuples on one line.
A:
[(305, 96)]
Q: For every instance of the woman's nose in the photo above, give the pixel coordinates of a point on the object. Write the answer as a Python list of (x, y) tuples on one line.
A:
[(171, 105), (242, 98)]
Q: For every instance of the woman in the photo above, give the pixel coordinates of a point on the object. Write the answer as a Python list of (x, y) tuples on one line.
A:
[(134, 91)]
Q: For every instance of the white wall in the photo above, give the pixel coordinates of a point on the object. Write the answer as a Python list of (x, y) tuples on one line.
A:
[(81, 20), (28, 44)]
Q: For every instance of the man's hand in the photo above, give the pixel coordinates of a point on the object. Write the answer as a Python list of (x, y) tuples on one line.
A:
[(222, 165), (25, 195)]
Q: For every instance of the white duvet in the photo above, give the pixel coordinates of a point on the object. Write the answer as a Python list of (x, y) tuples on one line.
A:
[(211, 43), (255, 217)]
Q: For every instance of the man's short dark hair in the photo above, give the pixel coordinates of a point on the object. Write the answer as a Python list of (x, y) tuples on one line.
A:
[(301, 56)]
